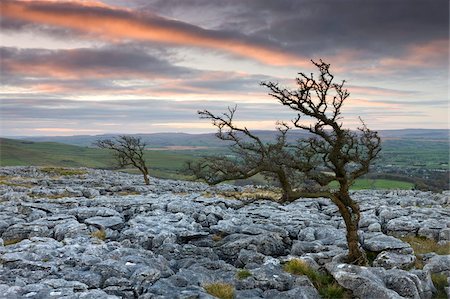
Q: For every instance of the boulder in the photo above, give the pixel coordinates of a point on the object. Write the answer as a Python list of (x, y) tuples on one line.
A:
[(390, 260), (380, 283), (439, 264), (104, 222), (377, 242)]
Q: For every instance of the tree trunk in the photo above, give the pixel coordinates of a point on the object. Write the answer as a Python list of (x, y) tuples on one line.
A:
[(350, 212), (288, 194), (145, 173), (146, 180)]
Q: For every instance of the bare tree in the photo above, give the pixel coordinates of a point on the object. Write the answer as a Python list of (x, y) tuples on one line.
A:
[(128, 151), (252, 156), (346, 154)]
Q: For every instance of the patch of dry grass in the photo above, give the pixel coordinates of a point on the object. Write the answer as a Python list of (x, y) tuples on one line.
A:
[(220, 290), (63, 171), (11, 241), (99, 234), (249, 194), (12, 182), (50, 196), (216, 237), (423, 245)]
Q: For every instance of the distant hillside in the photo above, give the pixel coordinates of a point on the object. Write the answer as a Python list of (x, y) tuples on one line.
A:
[(21, 152), (165, 164), (421, 158), (429, 134), (184, 139)]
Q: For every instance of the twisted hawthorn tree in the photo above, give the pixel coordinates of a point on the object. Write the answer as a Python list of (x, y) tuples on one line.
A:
[(128, 151), (346, 155), (251, 155), (332, 153)]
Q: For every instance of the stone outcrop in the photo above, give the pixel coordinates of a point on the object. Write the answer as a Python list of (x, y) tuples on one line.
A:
[(104, 234)]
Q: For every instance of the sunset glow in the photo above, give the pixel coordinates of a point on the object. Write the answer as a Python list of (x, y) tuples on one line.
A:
[(115, 66)]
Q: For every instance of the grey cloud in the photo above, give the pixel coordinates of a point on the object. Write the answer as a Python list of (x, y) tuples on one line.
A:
[(319, 27), (129, 110), (112, 59), (105, 65)]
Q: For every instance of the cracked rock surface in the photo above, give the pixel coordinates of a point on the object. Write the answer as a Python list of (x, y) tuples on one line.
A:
[(103, 234)]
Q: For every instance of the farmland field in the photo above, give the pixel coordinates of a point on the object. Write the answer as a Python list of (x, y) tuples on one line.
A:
[(167, 160)]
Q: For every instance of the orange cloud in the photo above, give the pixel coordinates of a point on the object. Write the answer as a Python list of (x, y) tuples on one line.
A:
[(43, 69), (122, 25), (429, 54)]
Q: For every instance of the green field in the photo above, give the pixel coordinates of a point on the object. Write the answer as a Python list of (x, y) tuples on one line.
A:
[(428, 154), (170, 164), (165, 164)]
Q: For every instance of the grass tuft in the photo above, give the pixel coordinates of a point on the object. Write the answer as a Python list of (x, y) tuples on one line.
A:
[(9, 181), (11, 241), (423, 245), (50, 196), (249, 194), (220, 290), (63, 171), (243, 274), (440, 283), (326, 285), (216, 237), (99, 234), (371, 256)]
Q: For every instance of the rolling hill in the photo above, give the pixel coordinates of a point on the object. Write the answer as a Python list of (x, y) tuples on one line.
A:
[(166, 164)]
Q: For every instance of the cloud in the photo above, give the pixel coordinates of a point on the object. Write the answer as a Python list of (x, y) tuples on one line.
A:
[(119, 62), (322, 25), (115, 25), (38, 116)]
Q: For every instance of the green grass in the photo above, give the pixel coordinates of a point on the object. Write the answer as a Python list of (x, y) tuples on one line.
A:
[(361, 184), (440, 283), (170, 164), (163, 164), (243, 274), (324, 283), (63, 171), (423, 153)]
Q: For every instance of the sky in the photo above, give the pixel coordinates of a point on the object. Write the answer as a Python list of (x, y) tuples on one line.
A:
[(88, 67)]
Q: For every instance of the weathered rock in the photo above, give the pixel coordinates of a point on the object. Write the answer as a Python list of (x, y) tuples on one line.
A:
[(389, 260), (438, 264), (367, 282), (90, 193), (69, 229), (378, 242), (167, 240), (268, 244), (25, 231), (104, 222)]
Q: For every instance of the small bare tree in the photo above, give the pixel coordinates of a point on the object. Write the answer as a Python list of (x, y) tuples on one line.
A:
[(128, 151), (346, 154), (251, 156)]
